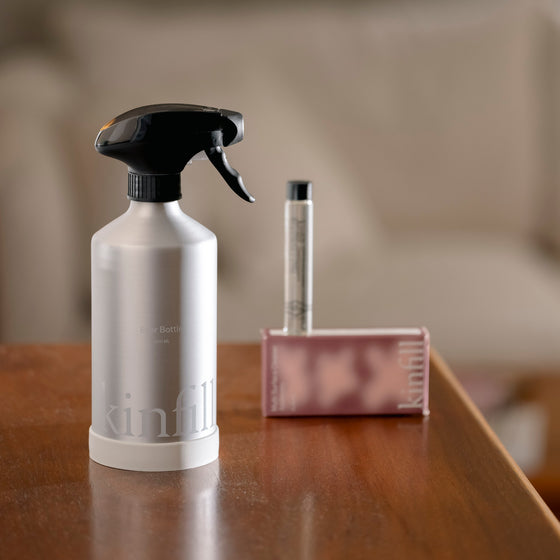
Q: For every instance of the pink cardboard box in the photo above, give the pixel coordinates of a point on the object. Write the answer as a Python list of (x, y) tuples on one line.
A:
[(345, 372)]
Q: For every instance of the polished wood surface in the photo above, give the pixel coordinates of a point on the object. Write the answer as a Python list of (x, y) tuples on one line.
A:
[(437, 487)]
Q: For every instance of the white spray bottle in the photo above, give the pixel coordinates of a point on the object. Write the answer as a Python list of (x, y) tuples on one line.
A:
[(154, 295)]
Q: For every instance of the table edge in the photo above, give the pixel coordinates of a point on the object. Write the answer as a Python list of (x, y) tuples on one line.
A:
[(437, 362)]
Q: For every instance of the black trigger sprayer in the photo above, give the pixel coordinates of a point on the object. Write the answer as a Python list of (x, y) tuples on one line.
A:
[(157, 141)]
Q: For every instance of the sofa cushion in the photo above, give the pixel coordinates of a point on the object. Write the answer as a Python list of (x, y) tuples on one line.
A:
[(488, 300)]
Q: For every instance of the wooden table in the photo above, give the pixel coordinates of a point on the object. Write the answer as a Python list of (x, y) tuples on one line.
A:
[(362, 487)]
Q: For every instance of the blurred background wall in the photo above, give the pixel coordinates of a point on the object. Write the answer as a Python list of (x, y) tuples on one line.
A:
[(429, 128)]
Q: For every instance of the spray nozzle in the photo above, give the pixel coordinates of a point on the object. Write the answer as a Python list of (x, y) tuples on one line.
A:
[(157, 141)]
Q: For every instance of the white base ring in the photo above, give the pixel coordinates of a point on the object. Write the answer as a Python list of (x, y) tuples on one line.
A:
[(136, 456)]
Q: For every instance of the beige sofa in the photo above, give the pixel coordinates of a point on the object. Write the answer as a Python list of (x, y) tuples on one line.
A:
[(430, 131)]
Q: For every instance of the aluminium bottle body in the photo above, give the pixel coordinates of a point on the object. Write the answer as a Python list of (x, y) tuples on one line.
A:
[(154, 341)]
